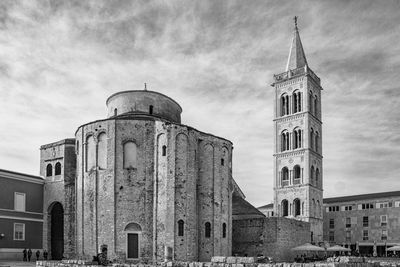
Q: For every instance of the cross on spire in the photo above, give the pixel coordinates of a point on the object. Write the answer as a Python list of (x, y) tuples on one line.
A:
[(295, 22)]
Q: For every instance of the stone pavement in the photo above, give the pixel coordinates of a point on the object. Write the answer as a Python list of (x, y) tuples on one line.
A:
[(17, 263)]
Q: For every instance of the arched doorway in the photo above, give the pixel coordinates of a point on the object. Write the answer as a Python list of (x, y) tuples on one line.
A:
[(133, 231), (56, 231)]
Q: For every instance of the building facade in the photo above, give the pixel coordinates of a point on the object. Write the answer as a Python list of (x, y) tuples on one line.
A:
[(298, 172), (366, 223), (141, 184), (21, 213), (58, 167)]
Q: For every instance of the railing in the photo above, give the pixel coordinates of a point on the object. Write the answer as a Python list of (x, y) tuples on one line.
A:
[(296, 72), (285, 182), (297, 181)]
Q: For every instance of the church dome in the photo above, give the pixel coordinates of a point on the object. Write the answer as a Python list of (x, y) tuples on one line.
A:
[(144, 102)]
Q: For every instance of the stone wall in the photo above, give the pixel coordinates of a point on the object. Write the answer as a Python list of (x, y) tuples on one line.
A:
[(181, 174), (273, 237), (59, 189)]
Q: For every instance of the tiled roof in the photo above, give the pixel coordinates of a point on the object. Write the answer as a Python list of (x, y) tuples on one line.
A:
[(241, 207), (19, 174), (361, 197), (268, 206)]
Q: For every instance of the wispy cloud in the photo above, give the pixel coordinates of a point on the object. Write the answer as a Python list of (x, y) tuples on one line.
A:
[(60, 60)]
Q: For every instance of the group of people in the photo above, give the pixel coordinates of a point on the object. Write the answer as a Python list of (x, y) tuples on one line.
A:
[(28, 254), (305, 258)]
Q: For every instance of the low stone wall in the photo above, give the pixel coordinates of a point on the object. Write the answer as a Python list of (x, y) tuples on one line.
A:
[(271, 237), (237, 262)]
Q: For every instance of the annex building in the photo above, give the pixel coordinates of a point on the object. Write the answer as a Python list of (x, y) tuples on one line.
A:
[(367, 224), (21, 213)]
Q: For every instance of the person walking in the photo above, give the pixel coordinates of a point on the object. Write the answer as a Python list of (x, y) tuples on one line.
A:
[(29, 254), (25, 253), (45, 254), (37, 255)]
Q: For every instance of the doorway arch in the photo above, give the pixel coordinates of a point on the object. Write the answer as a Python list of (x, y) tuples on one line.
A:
[(56, 230), (133, 232)]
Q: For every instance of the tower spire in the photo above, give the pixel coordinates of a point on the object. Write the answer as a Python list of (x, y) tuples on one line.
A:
[(297, 58)]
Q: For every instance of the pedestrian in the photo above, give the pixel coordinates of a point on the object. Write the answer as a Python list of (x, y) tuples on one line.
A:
[(37, 255), (29, 254), (45, 255), (25, 253)]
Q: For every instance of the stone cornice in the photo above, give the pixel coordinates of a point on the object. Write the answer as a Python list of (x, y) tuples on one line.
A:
[(297, 152), (296, 116)]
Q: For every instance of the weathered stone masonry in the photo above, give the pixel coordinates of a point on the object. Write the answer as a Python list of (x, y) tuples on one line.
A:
[(141, 171)]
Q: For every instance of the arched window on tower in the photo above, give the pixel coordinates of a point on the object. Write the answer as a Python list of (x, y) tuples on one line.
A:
[(130, 155), (150, 109), (207, 229), (312, 175), (49, 170), (310, 102), (285, 140), (296, 206), (284, 105), (181, 228), (164, 150), (316, 106), (297, 138), (311, 138), (296, 98), (57, 169), (317, 178), (285, 208), (297, 174), (318, 209), (316, 141), (285, 176)]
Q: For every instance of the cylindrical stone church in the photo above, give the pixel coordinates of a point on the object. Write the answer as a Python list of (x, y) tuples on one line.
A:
[(149, 187)]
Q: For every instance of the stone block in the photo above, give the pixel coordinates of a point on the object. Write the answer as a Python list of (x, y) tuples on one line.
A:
[(230, 260), (245, 260), (218, 259), (237, 265)]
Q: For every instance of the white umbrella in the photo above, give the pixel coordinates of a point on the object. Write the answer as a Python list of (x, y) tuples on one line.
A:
[(308, 247), (395, 248), (338, 248)]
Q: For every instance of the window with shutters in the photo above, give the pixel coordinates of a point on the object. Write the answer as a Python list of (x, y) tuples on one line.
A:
[(365, 234), (348, 222), (384, 235), (365, 221), (19, 231), (331, 236), (331, 223), (383, 220)]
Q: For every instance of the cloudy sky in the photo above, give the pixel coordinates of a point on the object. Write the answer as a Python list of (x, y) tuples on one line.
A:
[(60, 60)]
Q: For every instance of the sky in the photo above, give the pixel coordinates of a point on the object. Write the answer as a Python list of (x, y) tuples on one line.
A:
[(60, 60)]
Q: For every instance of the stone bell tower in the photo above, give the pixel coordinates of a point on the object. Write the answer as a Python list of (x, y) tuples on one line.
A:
[(298, 175)]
